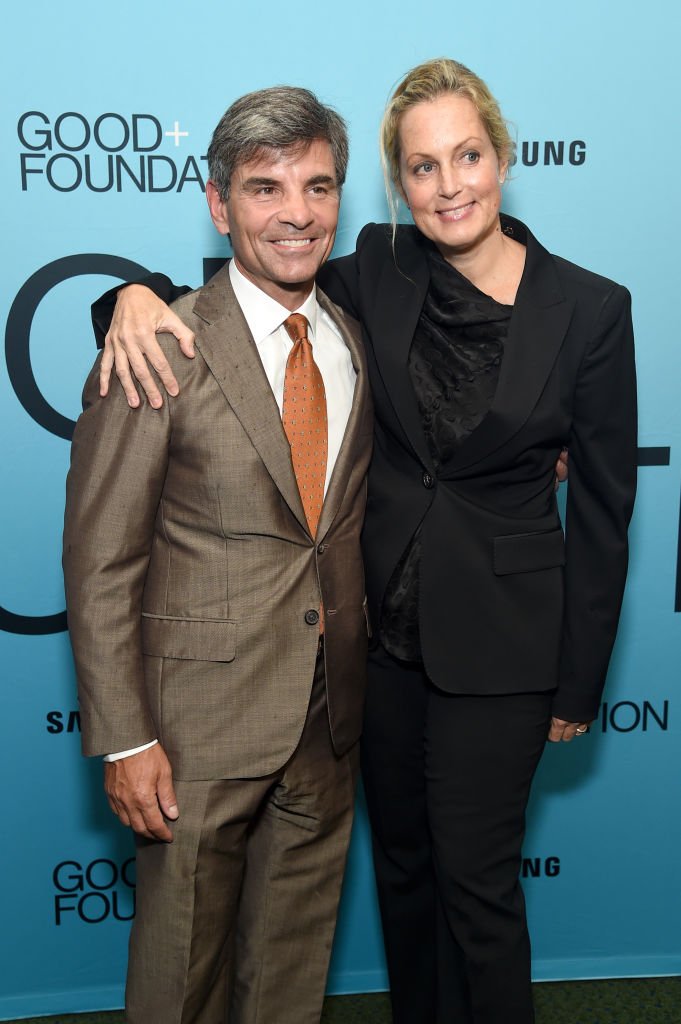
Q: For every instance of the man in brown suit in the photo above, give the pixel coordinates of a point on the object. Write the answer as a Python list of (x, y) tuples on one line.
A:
[(219, 629)]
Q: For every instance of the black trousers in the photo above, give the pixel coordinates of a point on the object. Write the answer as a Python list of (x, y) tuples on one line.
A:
[(447, 779)]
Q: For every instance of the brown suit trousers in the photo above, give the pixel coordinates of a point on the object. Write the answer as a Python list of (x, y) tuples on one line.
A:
[(235, 918)]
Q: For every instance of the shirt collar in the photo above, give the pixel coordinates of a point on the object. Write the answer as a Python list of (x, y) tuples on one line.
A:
[(264, 314)]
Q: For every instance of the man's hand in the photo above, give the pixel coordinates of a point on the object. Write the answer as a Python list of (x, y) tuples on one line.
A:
[(562, 468), (140, 792), (566, 731), (139, 315)]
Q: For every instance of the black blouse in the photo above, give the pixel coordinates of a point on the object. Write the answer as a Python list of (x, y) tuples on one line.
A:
[(454, 364)]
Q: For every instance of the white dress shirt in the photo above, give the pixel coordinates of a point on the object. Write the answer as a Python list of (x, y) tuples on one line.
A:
[(265, 318)]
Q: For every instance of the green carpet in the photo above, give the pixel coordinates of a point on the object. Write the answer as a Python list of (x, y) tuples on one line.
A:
[(630, 1001)]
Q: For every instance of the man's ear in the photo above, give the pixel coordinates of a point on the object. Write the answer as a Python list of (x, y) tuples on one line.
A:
[(218, 208)]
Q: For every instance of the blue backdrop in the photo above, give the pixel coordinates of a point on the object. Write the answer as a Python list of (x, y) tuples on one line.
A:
[(105, 122)]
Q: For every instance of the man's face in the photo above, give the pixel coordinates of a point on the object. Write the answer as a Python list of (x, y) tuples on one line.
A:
[(281, 216)]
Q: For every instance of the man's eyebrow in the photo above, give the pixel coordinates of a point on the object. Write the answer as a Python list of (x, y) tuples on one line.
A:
[(321, 179), (256, 182)]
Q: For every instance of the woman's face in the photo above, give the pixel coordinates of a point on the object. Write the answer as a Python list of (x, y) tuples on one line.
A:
[(449, 174)]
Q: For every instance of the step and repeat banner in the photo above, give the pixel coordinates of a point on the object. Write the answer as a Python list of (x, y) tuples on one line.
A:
[(106, 116)]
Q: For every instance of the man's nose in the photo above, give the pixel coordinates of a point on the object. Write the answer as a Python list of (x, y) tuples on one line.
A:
[(296, 210)]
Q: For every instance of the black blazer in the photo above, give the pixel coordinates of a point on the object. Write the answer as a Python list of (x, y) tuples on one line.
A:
[(506, 605)]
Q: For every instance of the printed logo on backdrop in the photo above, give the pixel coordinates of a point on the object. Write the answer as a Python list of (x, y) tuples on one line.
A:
[(101, 890), (540, 867), (123, 152), (25, 385), (621, 716), (625, 716), (114, 152), (550, 153), (27, 391), (58, 722)]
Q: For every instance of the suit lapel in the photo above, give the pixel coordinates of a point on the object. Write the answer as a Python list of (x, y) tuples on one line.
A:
[(347, 455), (539, 322), (400, 294), (226, 344)]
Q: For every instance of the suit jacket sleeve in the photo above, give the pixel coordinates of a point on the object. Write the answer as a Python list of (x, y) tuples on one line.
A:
[(102, 309), (601, 489), (113, 491)]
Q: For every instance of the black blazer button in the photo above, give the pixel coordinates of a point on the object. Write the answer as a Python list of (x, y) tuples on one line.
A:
[(312, 617), (428, 481)]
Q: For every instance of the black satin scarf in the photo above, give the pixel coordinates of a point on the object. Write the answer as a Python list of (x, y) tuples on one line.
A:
[(454, 364)]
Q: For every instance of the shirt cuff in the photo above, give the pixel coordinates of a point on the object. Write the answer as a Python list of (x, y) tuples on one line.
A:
[(129, 753)]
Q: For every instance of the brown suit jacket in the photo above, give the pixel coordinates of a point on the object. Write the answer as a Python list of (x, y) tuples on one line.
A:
[(190, 569)]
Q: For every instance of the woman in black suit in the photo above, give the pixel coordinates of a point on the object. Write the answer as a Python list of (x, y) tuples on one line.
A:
[(486, 356)]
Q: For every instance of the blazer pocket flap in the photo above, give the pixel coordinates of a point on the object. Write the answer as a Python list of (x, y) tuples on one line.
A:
[(528, 552), (188, 639)]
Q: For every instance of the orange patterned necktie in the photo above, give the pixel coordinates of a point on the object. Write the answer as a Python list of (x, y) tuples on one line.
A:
[(304, 418)]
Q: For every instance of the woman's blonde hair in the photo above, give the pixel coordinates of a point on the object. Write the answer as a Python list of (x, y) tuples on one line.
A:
[(426, 82)]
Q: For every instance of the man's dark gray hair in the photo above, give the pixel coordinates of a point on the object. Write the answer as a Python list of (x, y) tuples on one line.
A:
[(279, 118)]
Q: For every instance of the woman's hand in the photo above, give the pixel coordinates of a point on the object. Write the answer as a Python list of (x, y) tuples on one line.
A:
[(131, 341), (561, 468), (566, 731)]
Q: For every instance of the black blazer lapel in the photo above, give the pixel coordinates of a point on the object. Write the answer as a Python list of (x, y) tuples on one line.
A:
[(226, 344), (400, 294), (539, 322)]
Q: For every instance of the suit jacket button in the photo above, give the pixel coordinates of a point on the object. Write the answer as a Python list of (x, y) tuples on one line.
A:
[(321, 549), (312, 617), (428, 481)]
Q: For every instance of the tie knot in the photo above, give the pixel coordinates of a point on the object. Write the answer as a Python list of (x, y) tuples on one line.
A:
[(296, 326)]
